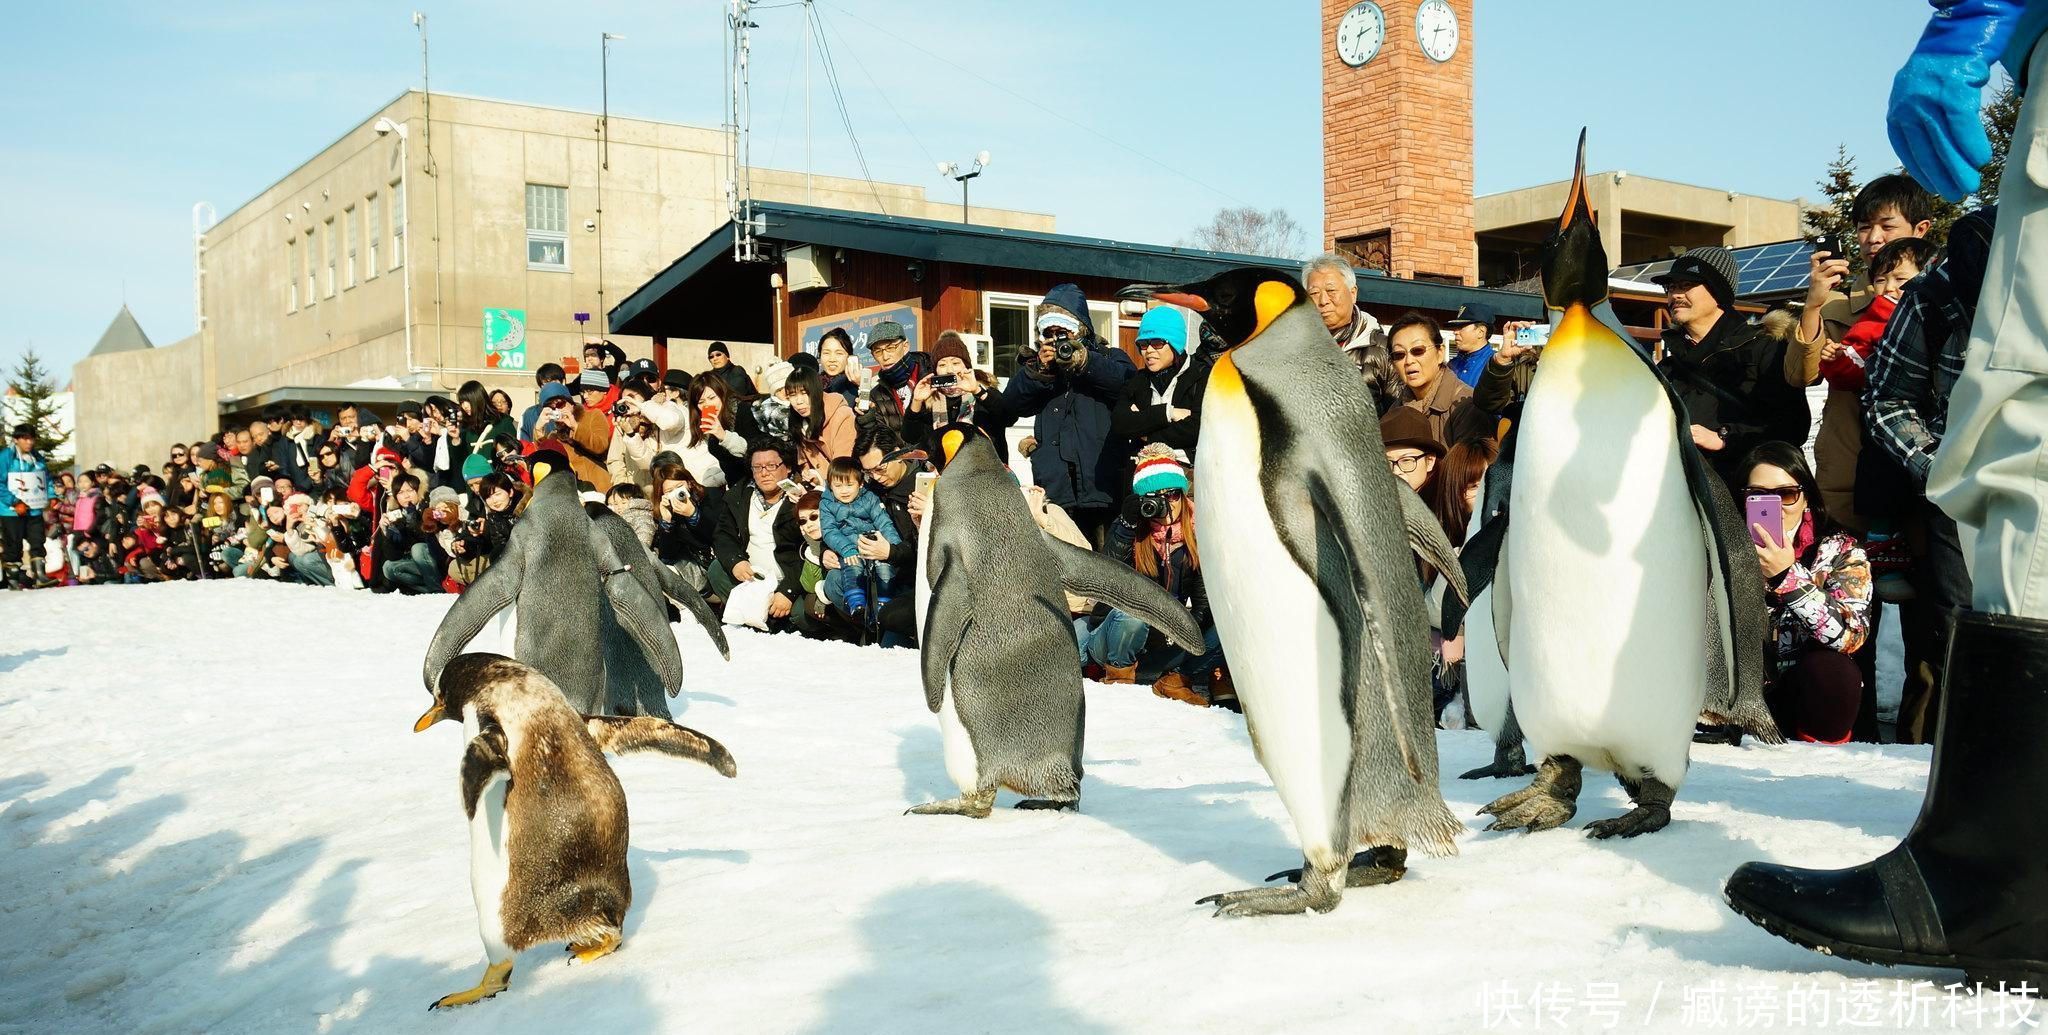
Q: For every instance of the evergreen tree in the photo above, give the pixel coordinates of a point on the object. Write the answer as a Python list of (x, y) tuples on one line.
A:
[(33, 405), (1839, 187)]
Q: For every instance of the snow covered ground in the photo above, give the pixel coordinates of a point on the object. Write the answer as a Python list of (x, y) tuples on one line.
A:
[(214, 816)]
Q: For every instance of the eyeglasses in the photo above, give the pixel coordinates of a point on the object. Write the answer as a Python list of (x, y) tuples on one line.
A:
[(887, 346), (1790, 495), (765, 468), (1405, 464)]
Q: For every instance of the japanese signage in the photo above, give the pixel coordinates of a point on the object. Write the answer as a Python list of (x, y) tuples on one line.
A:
[(505, 339), (859, 324)]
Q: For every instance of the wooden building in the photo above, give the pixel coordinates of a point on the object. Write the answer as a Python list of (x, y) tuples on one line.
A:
[(829, 267)]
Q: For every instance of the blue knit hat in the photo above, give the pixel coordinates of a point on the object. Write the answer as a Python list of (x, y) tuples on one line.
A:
[(1167, 324)]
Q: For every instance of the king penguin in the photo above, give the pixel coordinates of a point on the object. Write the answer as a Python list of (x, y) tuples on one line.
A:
[(1001, 666), (1315, 592), (1625, 593), (551, 573), (547, 817), (632, 677)]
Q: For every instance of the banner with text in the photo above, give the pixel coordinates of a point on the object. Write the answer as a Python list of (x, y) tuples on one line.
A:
[(504, 339)]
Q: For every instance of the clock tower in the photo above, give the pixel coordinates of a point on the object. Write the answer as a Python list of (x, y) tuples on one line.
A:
[(1397, 136)]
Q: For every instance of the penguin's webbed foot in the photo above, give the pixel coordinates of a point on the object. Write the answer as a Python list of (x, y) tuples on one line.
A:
[(591, 952), (496, 977), (974, 806), (1384, 864), (1498, 770), (1070, 805), (1319, 892), (1549, 801), (1642, 819)]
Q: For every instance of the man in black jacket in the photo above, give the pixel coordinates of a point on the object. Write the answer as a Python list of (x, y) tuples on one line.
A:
[(1728, 372), (758, 537)]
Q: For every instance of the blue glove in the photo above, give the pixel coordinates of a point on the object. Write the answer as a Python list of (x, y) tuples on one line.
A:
[(1933, 119)]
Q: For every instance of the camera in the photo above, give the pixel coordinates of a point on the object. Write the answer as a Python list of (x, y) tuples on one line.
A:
[(1154, 506), (945, 380), (622, 408), (1064, 351)]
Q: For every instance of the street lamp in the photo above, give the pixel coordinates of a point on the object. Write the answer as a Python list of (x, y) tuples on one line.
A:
[(385, 127), (604, 72), (954, 169)]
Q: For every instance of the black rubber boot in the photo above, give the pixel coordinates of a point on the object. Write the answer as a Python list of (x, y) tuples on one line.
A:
[(1968, 887)]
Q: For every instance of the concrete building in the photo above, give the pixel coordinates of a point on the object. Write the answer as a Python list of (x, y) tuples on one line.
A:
[(1641, 219), (386, 258)]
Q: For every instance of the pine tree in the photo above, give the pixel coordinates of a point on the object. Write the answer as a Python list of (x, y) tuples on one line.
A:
[(32, 404), (1839, 186), (2000, 117)]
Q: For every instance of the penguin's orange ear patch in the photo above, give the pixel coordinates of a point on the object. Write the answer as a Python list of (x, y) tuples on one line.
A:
[(950, 443), (1272, 299)]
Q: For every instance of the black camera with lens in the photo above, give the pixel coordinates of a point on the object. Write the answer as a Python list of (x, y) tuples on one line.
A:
[(1065, 349), (1154, 506), (621, 408)]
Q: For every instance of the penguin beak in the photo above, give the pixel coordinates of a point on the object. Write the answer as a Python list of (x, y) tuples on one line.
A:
[(1171, 294), (432, 715)]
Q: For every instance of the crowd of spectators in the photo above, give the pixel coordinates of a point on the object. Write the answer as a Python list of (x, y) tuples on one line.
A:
[(791, 497)]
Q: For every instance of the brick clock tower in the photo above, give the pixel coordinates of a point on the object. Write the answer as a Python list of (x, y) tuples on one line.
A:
[(1397, 136)]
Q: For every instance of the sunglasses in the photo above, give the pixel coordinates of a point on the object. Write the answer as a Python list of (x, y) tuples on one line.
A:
[(1417, 352), (1054, 334), (1787, 494), (1154, 345), (1405, 464)]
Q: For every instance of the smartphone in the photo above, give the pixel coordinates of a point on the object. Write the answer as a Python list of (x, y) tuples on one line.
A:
[(1831, 244), (945, 380), (1534, 336), (925, 480), (790, 487), (1768, 511)]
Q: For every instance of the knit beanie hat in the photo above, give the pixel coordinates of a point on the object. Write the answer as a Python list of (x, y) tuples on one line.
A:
[(1712, 266), (950, 345), (594, 380), (1160, 468), (774, 376), (804, 361), (717, 348), (1165, 323), (443, 494), (476, 465)]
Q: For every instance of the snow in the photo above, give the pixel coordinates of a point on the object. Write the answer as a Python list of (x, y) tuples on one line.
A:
[(214, 816)]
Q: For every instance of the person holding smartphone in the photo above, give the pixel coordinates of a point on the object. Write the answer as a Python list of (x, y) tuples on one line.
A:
[(1818, 589)]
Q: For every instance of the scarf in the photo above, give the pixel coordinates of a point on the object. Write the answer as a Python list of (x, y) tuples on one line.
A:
[(1166, 537), (1803, 540)]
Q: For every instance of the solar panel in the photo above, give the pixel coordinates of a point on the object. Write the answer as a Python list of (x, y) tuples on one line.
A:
[(1760, 269)]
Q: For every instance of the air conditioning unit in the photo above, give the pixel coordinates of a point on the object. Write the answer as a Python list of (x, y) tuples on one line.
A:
[(983, 349), (807, 268)]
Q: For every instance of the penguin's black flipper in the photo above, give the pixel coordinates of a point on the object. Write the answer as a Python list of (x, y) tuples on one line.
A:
[(487, 755), (1088, 574), (645, 619), (673, 587), (619, 734), (1426, 537), (947, 616), (493, 591), (1478, 559)]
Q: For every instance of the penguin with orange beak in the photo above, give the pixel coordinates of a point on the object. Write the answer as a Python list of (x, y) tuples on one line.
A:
[(1313, 585)]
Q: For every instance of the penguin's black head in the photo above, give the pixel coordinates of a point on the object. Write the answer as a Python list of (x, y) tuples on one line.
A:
[(954, 439), (1239, 304), (461, 679), (1574, 263)]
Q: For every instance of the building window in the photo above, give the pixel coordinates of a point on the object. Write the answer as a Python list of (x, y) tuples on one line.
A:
[(397, 225), (372, 234), (327, 254), (312, 265), (547, 227), (354, 231), (291, 275), (1009, 319)]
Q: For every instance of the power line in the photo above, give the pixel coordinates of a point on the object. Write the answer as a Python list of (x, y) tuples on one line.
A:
[(1090, 130), (839, 99), (900, 120)]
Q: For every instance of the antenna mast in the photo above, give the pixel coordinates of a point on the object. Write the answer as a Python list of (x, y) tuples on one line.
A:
[(739, 184)]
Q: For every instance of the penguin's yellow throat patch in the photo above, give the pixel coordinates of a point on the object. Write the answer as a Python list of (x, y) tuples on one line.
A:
[(1578, 328)]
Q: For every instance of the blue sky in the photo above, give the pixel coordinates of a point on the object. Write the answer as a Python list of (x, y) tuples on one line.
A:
[(1134, 120)]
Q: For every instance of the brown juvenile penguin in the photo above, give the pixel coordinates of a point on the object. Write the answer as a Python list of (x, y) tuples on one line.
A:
[(547, 818)]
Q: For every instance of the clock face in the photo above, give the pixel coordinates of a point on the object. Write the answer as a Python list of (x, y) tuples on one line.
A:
[(1436, 29), (1360, 33)]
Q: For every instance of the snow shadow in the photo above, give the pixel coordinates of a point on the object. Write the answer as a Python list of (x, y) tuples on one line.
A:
[(952, 955), (10, 662), (921, 756), (1196, 824)]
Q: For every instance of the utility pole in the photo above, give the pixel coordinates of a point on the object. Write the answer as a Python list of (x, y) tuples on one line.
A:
[(604, 130)]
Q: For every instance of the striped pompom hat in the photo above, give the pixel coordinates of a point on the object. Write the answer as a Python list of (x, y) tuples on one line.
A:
[(1160, 468)]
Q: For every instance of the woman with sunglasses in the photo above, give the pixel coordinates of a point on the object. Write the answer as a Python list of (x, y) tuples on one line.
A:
[(1156, 535), (1162, 402), (1432, 390), (1817, 586)]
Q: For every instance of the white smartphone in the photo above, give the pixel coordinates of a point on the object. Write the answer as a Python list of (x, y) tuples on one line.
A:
[(925, 481)]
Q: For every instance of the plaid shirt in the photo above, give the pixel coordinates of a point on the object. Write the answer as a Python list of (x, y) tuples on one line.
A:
[(1906, 403)]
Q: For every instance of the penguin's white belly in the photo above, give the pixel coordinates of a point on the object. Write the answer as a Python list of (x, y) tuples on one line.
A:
[(1608, 576), (1486, 676), (1283, 645), (961, 764), (490, 859)]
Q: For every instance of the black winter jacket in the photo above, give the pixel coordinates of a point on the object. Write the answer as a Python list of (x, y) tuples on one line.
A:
[(1734, 383)]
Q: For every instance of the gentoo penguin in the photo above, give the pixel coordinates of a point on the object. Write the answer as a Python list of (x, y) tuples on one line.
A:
[(633, 684), (551, 573), (995, 639), (1315, 592), (1625, 592), (547, 818)]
